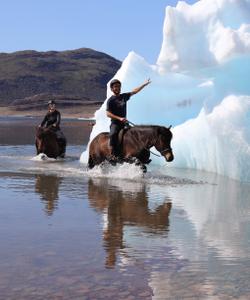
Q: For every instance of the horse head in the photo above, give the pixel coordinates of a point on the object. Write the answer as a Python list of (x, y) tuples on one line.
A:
[(163, 142), (46, 142), (40, 132), (39, 139)]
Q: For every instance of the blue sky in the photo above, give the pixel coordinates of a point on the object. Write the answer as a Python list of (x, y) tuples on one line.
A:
[(113, 27)]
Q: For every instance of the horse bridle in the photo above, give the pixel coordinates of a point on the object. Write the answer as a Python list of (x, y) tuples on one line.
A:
[(163, 152)]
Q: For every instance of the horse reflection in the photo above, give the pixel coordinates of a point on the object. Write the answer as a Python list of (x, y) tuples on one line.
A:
[(123, 208), (48, 186)]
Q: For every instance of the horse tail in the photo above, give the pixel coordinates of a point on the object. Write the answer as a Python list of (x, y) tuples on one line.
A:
[(91, 163)]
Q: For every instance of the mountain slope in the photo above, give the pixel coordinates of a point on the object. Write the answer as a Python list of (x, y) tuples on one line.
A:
[(74, 78)]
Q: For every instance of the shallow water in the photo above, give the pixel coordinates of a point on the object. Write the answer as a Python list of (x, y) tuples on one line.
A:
[(69, 233)]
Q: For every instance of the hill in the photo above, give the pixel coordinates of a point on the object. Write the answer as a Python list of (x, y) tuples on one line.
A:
[(75, 79)]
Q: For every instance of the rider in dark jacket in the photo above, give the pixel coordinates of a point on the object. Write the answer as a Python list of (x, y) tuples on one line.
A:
[(52, 118), (52, 121), (117, 111)]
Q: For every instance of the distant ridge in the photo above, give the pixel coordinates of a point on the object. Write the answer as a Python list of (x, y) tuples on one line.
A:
[(28, 79)]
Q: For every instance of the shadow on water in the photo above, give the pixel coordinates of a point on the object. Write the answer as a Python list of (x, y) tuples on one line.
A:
[(47, 186), (121, 208)]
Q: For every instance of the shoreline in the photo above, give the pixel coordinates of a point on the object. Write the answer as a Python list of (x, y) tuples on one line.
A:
[(82, 113)]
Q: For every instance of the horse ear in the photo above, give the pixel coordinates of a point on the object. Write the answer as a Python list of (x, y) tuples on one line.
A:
[(169, 127)]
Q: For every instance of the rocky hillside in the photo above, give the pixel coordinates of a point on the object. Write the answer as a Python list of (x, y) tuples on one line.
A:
[(28, 79)]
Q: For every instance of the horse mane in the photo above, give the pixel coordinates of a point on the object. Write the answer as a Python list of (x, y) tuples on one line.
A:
[(144, 128), (146, 125), (41, 132), (139, 126)]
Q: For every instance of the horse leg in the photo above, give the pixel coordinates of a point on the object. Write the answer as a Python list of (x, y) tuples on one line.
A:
[(94, 160), (37, 148), (144, 156), (62, 147), (91, 162), (141, 165), (137, 162), (143, 168)]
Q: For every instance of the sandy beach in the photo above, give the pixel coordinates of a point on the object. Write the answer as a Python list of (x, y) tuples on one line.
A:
[(87, 111)]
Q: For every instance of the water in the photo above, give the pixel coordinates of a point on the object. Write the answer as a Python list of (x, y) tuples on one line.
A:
[(67, 233)]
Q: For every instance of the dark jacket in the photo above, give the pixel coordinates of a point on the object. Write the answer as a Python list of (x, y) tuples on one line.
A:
[(52, 118)]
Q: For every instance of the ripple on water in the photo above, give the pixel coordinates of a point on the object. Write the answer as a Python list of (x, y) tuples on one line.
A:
[(20, 159)]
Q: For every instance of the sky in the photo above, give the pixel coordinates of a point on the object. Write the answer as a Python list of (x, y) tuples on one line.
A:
[(113, 27)]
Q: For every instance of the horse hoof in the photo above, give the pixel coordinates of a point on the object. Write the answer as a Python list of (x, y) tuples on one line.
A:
[(137, 162), (113, 160), (144, 168)]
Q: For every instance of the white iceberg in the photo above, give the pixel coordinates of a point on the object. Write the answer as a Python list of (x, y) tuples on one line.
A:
[(200, 85)]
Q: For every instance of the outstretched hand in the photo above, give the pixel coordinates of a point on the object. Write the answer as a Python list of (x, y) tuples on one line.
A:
[(148, 81), (138, 89)]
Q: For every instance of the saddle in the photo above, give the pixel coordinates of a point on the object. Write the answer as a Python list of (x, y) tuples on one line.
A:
[(120, 145)]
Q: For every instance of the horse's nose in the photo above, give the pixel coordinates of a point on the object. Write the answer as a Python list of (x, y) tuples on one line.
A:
[(169, 156)]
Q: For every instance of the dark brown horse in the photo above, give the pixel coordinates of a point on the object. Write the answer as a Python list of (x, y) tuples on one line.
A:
[(135, 144), (48, 143)]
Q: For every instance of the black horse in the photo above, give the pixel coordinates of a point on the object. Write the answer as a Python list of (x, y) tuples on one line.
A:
[(48, 143), (135, 144)]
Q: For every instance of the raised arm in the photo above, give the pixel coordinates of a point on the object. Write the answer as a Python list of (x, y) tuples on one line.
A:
[(139, 88)]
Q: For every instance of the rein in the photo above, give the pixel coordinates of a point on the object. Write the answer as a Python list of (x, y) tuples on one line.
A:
[(162, 152)]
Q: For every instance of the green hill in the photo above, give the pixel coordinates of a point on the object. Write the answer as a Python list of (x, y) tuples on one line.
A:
[(74, 78)]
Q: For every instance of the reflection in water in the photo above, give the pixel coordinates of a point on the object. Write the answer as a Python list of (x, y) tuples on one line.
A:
[(125, 207), (48, 186), (204, 255)]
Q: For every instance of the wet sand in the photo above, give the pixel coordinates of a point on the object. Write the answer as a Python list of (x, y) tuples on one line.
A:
[(83, 112)]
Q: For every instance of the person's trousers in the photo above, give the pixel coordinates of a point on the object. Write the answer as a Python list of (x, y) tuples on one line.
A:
[(114, 138)]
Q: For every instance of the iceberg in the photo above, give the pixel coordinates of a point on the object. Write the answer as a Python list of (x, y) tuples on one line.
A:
[(200, 86)]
